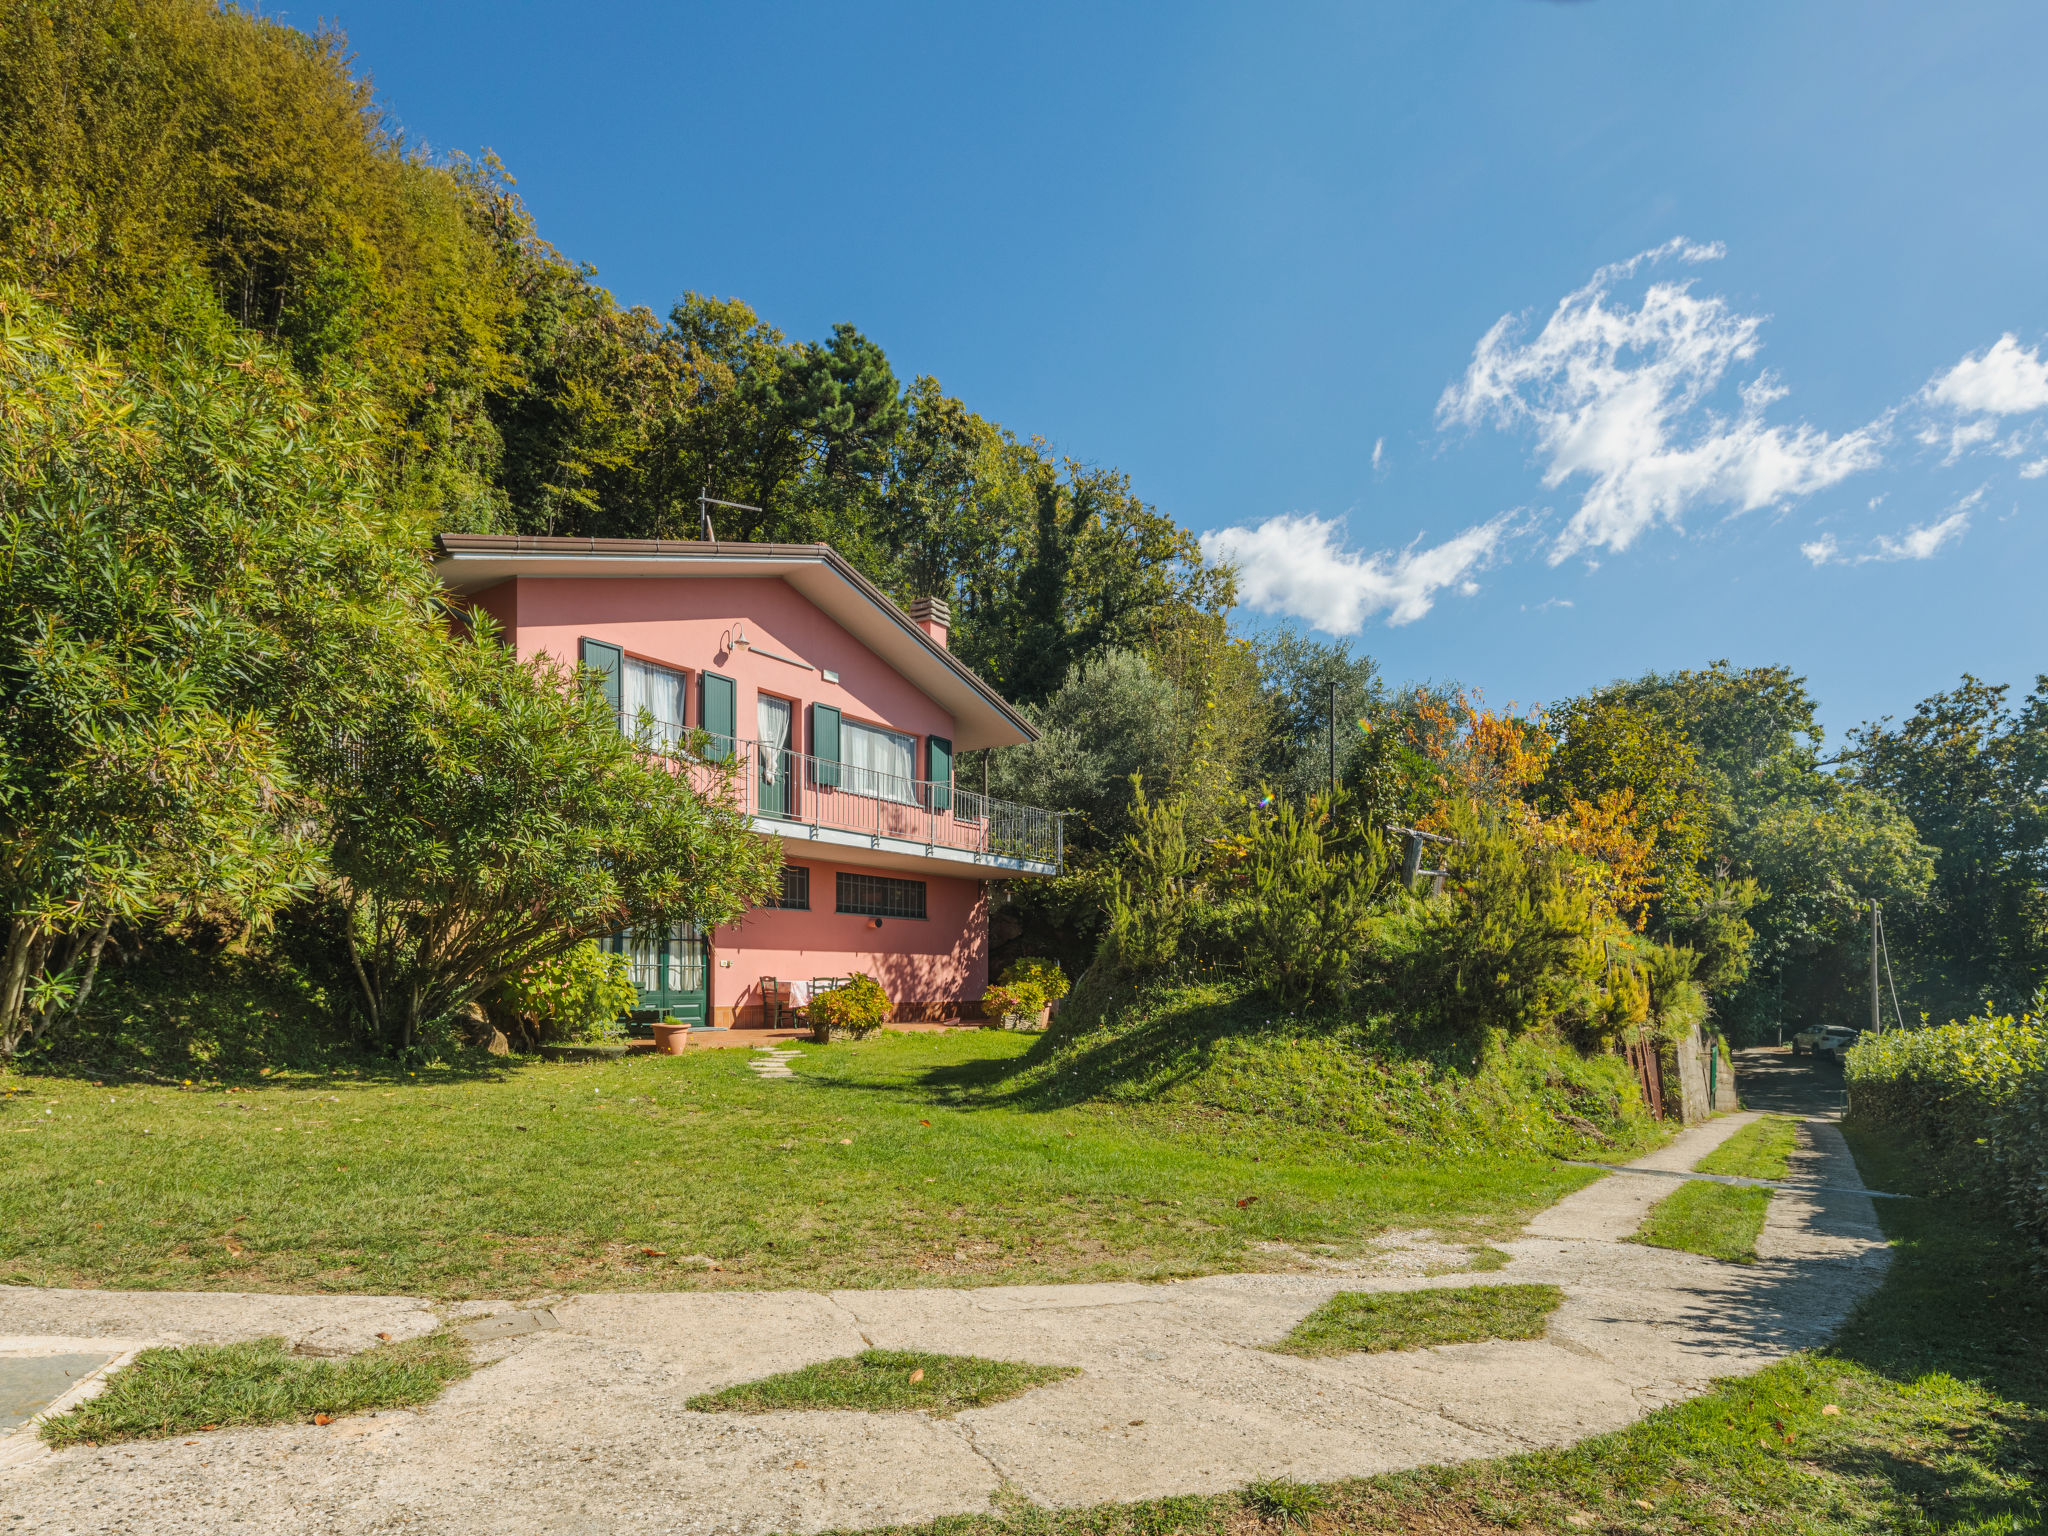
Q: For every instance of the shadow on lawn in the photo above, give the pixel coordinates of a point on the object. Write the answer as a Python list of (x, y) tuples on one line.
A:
[(1958, 1303), (1063, 1068)]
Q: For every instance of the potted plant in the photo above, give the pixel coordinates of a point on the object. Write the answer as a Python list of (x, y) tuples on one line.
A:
[(851, 1011), (1024, 997), (671, 1035)]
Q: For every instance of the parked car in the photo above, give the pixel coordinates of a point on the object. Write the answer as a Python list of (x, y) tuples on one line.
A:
[(1830, 1040)]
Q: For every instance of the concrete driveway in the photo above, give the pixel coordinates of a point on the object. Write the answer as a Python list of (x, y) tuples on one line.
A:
[(581, 1426)]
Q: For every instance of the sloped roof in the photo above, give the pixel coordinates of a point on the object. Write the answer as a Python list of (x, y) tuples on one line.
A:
[(470, 562)]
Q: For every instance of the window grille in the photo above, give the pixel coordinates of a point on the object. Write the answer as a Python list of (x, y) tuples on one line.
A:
[(796, 889), (880, 896)]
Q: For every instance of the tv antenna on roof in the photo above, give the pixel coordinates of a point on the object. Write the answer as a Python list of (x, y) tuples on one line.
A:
[(705, 502)]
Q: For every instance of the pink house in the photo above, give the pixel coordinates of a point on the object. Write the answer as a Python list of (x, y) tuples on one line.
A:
[(841, 715)]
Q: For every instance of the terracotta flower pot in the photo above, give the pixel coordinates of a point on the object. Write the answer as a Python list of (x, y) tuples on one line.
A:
[(669, 1039)]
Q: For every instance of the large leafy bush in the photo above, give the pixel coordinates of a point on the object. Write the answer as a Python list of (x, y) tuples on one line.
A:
[(580, 994), (1975, 1095), (199, 577), (487, 814), (857, 1007)]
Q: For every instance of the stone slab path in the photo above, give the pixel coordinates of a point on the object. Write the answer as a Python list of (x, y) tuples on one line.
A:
[(768, 1061), (581, 1426)]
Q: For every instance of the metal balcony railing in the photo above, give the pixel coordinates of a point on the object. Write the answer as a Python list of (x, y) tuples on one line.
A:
[(814, 792)]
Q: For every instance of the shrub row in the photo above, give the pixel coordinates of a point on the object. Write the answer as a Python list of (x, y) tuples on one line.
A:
[(1975, 1095)]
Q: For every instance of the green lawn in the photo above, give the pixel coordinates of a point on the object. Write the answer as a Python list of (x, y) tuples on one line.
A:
[(896, 1161), (1353, 1322), (1939, 1392), (886, 1381)]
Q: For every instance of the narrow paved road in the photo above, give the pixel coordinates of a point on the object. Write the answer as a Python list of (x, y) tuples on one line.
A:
[(1772, 1079)]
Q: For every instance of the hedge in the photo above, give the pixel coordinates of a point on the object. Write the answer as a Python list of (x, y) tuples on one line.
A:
[(1975, 1095)]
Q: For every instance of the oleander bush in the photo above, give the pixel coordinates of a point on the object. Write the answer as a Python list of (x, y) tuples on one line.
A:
[(1974, 1095)]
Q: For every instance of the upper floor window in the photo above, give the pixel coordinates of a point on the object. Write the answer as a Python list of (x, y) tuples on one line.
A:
[(881, 764), (659, 691)]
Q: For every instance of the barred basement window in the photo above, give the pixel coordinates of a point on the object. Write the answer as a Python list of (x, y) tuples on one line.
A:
[(796, 889), (879, 896)]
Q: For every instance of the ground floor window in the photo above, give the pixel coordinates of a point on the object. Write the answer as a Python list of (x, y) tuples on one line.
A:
[(880, 896), (796, 889)]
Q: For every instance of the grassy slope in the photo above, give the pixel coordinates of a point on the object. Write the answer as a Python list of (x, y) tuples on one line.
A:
[(1940, 1382), (910, 1159), (1218, 1047)]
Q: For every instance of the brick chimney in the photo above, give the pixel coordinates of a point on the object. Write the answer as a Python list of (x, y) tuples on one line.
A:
[(932, 615)]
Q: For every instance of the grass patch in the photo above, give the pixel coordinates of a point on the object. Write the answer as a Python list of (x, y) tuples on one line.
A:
[(1720, 1221), (1486, 1257), (1374, 1321), (1284, 1502), (1939, 1382), (886, 1381), (902, 1160), (1760, 1150), (217, 1386)]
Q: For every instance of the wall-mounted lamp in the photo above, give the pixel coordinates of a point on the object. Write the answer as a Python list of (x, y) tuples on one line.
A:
[(734, 639)]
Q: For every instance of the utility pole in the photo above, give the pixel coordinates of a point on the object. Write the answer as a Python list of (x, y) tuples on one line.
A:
[(1876, 1014)]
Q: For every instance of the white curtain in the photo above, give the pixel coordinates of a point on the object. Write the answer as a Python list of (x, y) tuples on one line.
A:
[(881, 764), (771, 716), (685, 959), (659, 691)]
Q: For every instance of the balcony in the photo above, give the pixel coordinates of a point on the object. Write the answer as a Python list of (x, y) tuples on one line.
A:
[(910, 823)]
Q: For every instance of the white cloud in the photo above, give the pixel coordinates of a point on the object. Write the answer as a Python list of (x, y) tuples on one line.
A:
[(1296, 565), (2034, 470), (1961, 437), (2006, 380), (1922, 543), (1821, 550), (1379, 448), (1620, 395), (1918, 543)]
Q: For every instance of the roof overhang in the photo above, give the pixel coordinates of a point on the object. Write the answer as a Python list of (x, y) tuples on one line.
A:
[(470, 562)]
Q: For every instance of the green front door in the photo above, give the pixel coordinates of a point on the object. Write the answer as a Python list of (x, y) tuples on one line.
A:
[(669, 969)]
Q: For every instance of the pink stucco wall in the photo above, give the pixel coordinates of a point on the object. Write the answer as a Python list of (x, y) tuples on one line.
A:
[(928, 967), (679, 622)]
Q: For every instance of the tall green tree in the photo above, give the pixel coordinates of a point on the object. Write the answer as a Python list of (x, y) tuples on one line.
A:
[(196, 575), (1970, 770)]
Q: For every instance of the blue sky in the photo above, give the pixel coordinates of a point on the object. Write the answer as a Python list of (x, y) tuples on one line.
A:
[(1756, 261)]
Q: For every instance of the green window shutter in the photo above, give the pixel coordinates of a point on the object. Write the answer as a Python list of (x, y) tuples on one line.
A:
[(718, 712), (938, 767), (825, 745), (608, 661)]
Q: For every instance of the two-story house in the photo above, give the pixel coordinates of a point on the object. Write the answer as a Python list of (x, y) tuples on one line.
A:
[(841, 715)]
